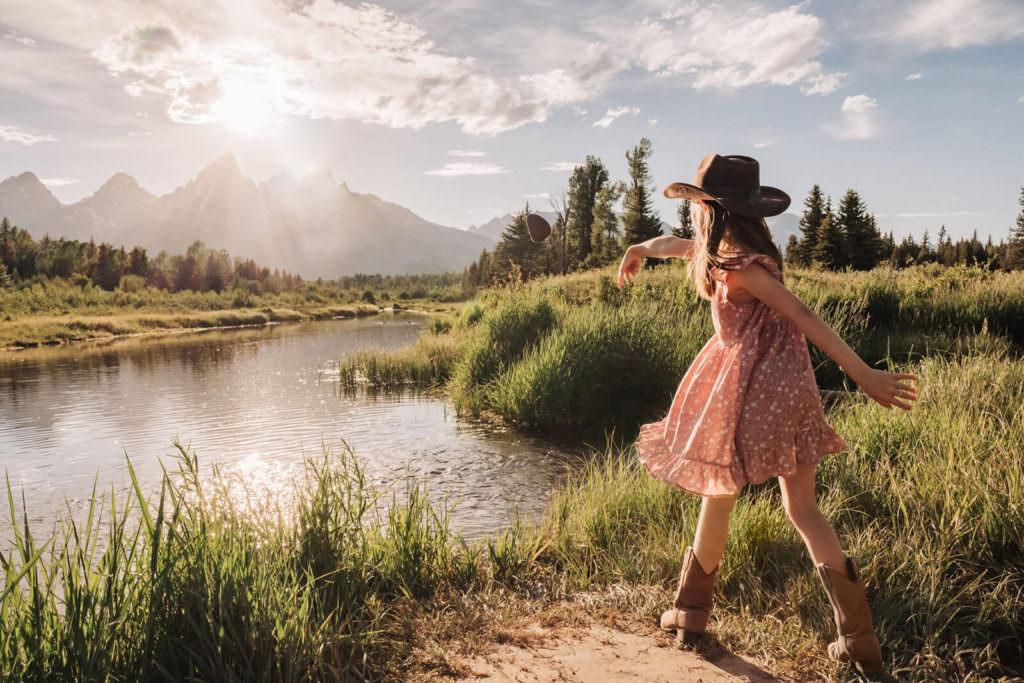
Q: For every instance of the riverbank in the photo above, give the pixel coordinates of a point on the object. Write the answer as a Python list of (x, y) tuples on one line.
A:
[(33, 331), (58, 312)]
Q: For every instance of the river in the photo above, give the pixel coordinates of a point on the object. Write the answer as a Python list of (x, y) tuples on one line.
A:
[(256, 403)]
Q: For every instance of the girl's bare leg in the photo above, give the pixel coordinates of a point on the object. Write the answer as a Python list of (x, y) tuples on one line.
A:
[(712, 528), (802, 508)]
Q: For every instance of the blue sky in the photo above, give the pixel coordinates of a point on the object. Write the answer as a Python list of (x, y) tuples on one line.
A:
[(465, 110)]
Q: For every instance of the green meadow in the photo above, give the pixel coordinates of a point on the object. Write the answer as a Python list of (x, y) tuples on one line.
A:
[(355, 583)]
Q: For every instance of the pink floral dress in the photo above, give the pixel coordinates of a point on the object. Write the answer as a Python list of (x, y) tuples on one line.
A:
[(747, 409)]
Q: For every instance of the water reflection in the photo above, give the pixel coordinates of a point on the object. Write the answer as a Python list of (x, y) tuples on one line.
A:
[(254, 402)]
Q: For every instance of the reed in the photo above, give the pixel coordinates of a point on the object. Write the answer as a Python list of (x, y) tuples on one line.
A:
[(185, 585)]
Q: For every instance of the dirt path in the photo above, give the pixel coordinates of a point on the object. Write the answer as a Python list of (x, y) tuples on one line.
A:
[(605, 654)]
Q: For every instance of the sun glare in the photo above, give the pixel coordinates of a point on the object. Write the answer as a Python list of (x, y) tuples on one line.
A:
[(244, 109)]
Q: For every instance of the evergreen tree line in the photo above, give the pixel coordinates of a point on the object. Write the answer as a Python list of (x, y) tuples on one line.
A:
[(594, 221), (849, 238), (199, 269)]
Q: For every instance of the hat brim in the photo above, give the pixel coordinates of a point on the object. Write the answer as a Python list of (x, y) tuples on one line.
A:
[(767, 201)]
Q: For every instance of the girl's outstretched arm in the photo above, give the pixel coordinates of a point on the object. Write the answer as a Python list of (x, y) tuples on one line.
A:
[(887, 388), (666, 246)]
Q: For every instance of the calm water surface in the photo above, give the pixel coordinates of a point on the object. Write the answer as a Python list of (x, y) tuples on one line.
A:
[(255, 403)]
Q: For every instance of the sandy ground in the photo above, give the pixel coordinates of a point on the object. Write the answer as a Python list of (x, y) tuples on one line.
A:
[(607, 654)]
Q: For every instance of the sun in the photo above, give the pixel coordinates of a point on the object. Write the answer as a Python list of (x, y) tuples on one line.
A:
[(245, 109)]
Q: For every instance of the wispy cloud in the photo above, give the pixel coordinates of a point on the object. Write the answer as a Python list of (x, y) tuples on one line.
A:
[(365, 62), (539, 195), (762, 145), (858, 119), (913, 77), (559, 166), (466, 153), (24, 40), (652, 122), (461, 168), (931, 214), (932, 24), (612, 114), (10, 133), (58, 182), (731, 47), (329, 60)]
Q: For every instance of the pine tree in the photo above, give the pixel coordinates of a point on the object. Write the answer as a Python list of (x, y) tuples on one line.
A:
[(1015, 247), (685, 228), (6, 243), (640, 221), (859, 232), (605, 234), (584, 184), (516, 249), (925, 253), (810, 221), (830, 248), (793, 251)]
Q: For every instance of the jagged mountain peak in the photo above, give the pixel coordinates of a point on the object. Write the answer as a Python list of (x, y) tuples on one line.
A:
[(120, 182), (28, 178)]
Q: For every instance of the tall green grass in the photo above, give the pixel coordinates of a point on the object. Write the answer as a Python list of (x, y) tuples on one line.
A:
[(185, 585), (577, 354)]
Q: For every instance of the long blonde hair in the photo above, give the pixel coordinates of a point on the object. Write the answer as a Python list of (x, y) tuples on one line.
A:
[(746, 235)]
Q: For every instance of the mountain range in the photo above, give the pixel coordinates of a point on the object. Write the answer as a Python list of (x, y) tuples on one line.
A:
[(313, 226)]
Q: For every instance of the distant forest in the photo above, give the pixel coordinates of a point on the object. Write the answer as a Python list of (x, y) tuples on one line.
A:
[(587, 232), (200, 269)]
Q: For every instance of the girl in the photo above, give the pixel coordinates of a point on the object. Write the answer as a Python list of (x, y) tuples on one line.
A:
[(748, 407)]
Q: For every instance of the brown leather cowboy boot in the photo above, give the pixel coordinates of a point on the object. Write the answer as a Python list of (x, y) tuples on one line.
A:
[(694, 599), (857, 641)]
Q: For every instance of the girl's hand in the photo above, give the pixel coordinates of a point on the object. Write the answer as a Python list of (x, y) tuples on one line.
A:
[(889, 389), (630, 266)]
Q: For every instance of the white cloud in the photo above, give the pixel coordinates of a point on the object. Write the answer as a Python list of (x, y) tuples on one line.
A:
[(24, 137), (1021, 99), (762, 145), (364, 62), (653, 122), (24, 40), (461, 168), (931, 24), (539, 195), (823, 84), (559, 166), (931, 214), (466, 153), (732, 47), (858, 119), (614, 113), (324, 59), (58, 182), (913, 77)]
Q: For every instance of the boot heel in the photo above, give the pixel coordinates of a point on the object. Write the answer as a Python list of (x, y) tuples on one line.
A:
[(856, 641), (694, 599)]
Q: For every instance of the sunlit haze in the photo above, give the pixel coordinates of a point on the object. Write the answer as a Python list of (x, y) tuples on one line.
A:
[(465, 110)]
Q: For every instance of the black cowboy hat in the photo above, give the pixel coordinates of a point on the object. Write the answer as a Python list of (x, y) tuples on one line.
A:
[(734, 182)]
